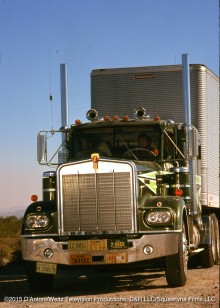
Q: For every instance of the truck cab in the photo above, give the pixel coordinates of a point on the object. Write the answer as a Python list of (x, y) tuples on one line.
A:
[(122, 196)]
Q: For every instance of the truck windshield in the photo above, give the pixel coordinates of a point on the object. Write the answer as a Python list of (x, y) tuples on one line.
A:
[(136, 143)]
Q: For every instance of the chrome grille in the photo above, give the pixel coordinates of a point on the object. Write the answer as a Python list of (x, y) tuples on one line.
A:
[(97, 202)]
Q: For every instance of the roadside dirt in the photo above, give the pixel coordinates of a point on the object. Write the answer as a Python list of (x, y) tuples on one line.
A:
[(89, 289)]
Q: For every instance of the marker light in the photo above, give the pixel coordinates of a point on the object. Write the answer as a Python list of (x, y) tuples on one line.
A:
[(115, 118), (156, 118), (77, 122), (178, 192), (106, 118), (125, 118), (34, 198)]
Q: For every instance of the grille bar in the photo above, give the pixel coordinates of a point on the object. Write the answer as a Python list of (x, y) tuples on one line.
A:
[(97, 202)]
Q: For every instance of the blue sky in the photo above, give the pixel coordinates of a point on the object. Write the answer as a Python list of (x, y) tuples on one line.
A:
[(36, 36)]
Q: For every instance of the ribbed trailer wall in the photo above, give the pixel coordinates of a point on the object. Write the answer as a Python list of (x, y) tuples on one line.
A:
[(159, 89)]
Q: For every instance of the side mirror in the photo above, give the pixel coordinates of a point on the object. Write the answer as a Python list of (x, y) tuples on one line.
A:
[(41, 149), (194, 142)]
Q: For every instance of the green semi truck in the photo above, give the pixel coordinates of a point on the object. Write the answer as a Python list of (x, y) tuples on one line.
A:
[(125, 191)]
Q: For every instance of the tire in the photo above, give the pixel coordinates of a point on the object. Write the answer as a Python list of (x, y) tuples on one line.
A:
[(38, 282), (176, 265), (217, 257), (194, 261), (210, 255)]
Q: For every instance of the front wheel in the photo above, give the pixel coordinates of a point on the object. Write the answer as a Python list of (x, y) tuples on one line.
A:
[(176, 265), (38, 282)]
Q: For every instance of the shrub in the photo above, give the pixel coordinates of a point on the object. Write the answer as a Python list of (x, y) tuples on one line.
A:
[(9, 239)]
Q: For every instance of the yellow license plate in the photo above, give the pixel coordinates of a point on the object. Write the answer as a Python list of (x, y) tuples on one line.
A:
[(98, 245), (87, 245), (46, 268), (80, 259), (78, 245), (117, 244), (113, 258)]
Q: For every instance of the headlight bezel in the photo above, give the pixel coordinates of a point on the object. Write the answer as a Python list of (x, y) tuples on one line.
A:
[(158, 217), (37, 221)]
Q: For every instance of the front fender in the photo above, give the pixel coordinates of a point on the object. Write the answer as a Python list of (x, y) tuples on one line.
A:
[(48, 208), (175, 205)]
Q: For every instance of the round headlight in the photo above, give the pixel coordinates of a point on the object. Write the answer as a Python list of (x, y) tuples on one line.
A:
[(30, 221), (37, 221), (159, 217), (152, 217), (164, 217), (42, 221)]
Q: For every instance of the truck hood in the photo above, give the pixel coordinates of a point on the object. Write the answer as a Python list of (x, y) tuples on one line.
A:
[(146, 173), (146, 166)]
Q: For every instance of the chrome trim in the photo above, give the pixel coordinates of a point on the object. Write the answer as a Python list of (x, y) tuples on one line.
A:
[(33, 249), (92, 115), (84, 168), (38, 235), (160, 231)]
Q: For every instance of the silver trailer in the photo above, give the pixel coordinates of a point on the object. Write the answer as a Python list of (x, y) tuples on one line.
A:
[(159, 90)]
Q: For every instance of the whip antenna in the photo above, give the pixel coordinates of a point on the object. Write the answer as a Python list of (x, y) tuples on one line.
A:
[(51, 96)]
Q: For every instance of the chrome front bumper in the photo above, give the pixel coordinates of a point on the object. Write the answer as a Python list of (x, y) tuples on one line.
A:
[(148, 247)]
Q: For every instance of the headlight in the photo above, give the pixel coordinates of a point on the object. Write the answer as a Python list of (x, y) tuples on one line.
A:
[(158, 217), (37, 221)]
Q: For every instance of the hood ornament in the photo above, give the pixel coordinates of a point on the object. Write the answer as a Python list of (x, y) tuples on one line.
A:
[(95, 160)]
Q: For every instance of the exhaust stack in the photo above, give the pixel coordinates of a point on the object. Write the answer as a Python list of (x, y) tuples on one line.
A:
[(187, 105), (192, 138), (64, 96), (63, 154), (186, 89)]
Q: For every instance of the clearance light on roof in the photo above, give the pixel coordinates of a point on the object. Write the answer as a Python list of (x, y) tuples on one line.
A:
[(125, 118), (106, 118), (115, 118), (77, 122), (156, 118)]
